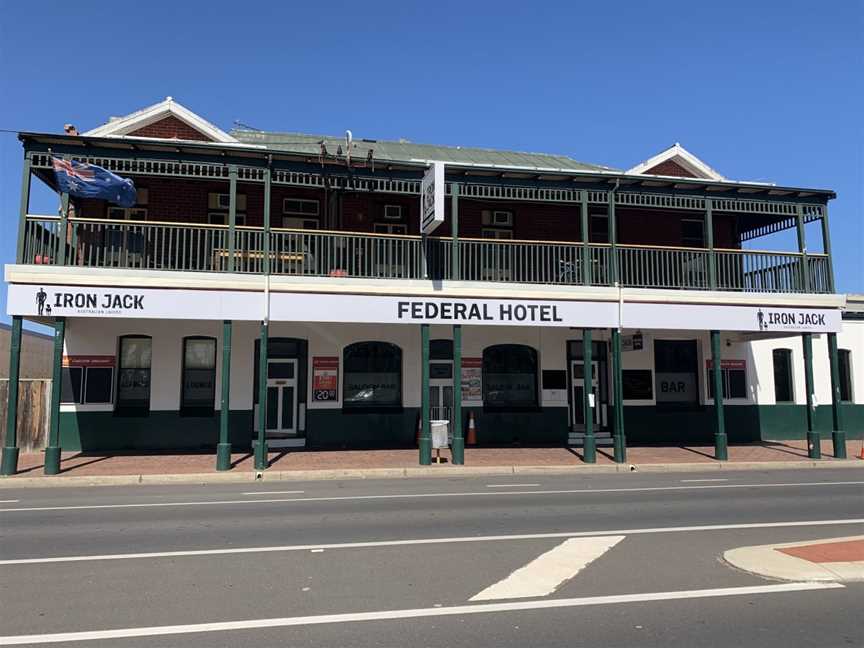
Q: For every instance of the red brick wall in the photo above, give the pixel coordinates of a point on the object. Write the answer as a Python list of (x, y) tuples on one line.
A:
[(172, 128), (187, 201), (670, 168)]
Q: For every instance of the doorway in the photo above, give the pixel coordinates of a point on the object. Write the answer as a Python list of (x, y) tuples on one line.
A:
[(441, 389), (282, 396), (577, 400)]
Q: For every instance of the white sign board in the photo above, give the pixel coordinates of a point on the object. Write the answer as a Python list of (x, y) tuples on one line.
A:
[(158, 303), (432, 198)]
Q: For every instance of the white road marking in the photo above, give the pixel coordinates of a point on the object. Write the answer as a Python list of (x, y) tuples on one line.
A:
[(550, 570), (576, 491), (429, 541), (9, 501), (275, 493), (693, 481), (509, 485), (389, 615)]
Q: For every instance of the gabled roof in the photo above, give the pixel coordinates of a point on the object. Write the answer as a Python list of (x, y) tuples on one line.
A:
[(405, 151), (119, 126), (677, 154)]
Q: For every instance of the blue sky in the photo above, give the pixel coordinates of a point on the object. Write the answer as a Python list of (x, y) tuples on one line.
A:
[(759, 90)]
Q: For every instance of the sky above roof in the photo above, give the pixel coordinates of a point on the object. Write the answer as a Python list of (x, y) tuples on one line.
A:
[(759, 91)]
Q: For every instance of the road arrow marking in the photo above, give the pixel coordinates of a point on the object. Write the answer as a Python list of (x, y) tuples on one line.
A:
[(550, 570)]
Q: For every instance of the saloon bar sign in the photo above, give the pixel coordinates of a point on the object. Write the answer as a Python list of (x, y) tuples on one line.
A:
[(432, 198), (34, 300)]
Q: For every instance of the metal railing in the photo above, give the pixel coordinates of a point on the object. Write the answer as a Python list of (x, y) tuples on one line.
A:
[(141, 245)]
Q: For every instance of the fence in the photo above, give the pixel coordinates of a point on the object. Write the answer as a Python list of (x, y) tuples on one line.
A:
[(34, 401)]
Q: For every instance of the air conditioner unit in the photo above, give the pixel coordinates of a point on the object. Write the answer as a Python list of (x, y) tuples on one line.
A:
[(393, 212), (502, 218)]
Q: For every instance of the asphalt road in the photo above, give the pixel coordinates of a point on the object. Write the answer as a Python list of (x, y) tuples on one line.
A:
[(397, 562)]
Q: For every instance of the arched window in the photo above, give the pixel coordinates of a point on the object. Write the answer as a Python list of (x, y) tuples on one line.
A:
[(199, 376), (509, 376), (133, 373), (784, 391), (372, 375)]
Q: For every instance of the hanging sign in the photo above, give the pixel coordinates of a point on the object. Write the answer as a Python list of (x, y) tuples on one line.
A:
[(432, 198), (472, 379), (631, 342), (727, 364), (88, 361), (325, 378)]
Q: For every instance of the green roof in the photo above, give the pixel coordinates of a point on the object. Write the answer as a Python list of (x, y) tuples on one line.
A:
[(405, 151)]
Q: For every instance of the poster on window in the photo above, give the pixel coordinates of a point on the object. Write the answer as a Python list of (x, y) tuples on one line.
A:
[(325, 378), (472, 379)]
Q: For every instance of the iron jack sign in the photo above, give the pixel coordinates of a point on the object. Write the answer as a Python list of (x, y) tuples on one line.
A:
[(80, 302)]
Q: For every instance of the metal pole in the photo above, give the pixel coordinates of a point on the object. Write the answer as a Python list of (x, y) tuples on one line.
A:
[(25, 207), (814, 448), (586, 250), (721, 451), (802, 247), (620, 447), (223, 448), (712, 255), (52, 452), (261, 446), (425, 429), (838, 435), (455, 273), (64, 226), (9, 464), (589, 443), (232, 215), (458, 437)]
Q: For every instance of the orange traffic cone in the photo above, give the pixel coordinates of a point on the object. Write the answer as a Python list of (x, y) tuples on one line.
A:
[(861, 454), (472, 431)]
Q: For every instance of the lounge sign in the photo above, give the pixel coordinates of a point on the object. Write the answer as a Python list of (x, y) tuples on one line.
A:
[(34, 300)]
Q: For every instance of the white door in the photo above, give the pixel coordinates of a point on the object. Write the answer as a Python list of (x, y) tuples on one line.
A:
[(282, 396), (440, 389), (577, 395)]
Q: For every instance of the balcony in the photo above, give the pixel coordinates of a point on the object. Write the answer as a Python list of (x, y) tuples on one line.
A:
[(188, 247)]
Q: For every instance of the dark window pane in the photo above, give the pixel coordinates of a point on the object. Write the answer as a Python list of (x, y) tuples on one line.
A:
[(441, 349), (373, 375), (70, 387), (199, 374), (510, 375), (737, 383), (636, 384), (133, 375), (440, 370), (554, 379), (280, 370), (844, 357), (783, 375), (98, 385), (676, 369)]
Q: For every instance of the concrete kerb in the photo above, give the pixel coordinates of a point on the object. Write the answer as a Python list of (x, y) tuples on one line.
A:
[(765, 561), (446, 471)]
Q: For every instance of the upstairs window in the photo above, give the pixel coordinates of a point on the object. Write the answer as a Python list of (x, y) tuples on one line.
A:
[(692, 233), (218, 206), (599, 228), (300, 207), (783, 386)]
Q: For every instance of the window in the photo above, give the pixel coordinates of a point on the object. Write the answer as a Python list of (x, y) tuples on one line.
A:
[(676, 372), (199, 376), (300, 207), (87, 384), (393, 212), (502, 219), (133, 374), (127, 213), (441, 349), (845, 361), (692, 233), (221, 218), (637, 384), (373, 375), (599, 226), (293, 222), (493, 233), (733, 376), (783, 392), (389, 228), (510, 376)]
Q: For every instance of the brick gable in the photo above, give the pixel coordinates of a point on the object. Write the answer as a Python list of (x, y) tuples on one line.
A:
[(170, 127)]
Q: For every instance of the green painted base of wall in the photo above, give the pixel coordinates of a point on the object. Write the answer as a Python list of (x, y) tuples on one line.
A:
[(103, 431)]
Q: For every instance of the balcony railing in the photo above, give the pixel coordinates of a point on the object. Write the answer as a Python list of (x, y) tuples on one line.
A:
[(207, 248)]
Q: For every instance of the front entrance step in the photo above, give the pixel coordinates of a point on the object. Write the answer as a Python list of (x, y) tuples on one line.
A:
[(601, 439), (282, 442)]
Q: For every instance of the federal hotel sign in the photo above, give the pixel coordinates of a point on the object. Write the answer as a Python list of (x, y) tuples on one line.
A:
[(90, 301)]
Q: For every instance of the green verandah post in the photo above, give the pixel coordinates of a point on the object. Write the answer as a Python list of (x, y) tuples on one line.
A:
[(458, 436), (261, 446), (589, 443), (721, 450), (425, 444), (838, 435), (814, 448), (223, 448), (620, 447), (52, 452), (10, 445)]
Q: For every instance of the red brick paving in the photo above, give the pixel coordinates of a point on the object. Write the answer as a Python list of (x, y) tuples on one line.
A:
[(847, 551), (94, 464)]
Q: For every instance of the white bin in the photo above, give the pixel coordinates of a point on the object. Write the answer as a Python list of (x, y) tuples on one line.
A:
[(440, 430)]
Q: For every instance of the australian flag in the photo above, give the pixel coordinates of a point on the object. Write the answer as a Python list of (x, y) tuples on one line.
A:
[(90, 181)]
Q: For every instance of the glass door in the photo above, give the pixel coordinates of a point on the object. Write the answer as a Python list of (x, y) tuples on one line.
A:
[(441, 390), (282, 396)]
